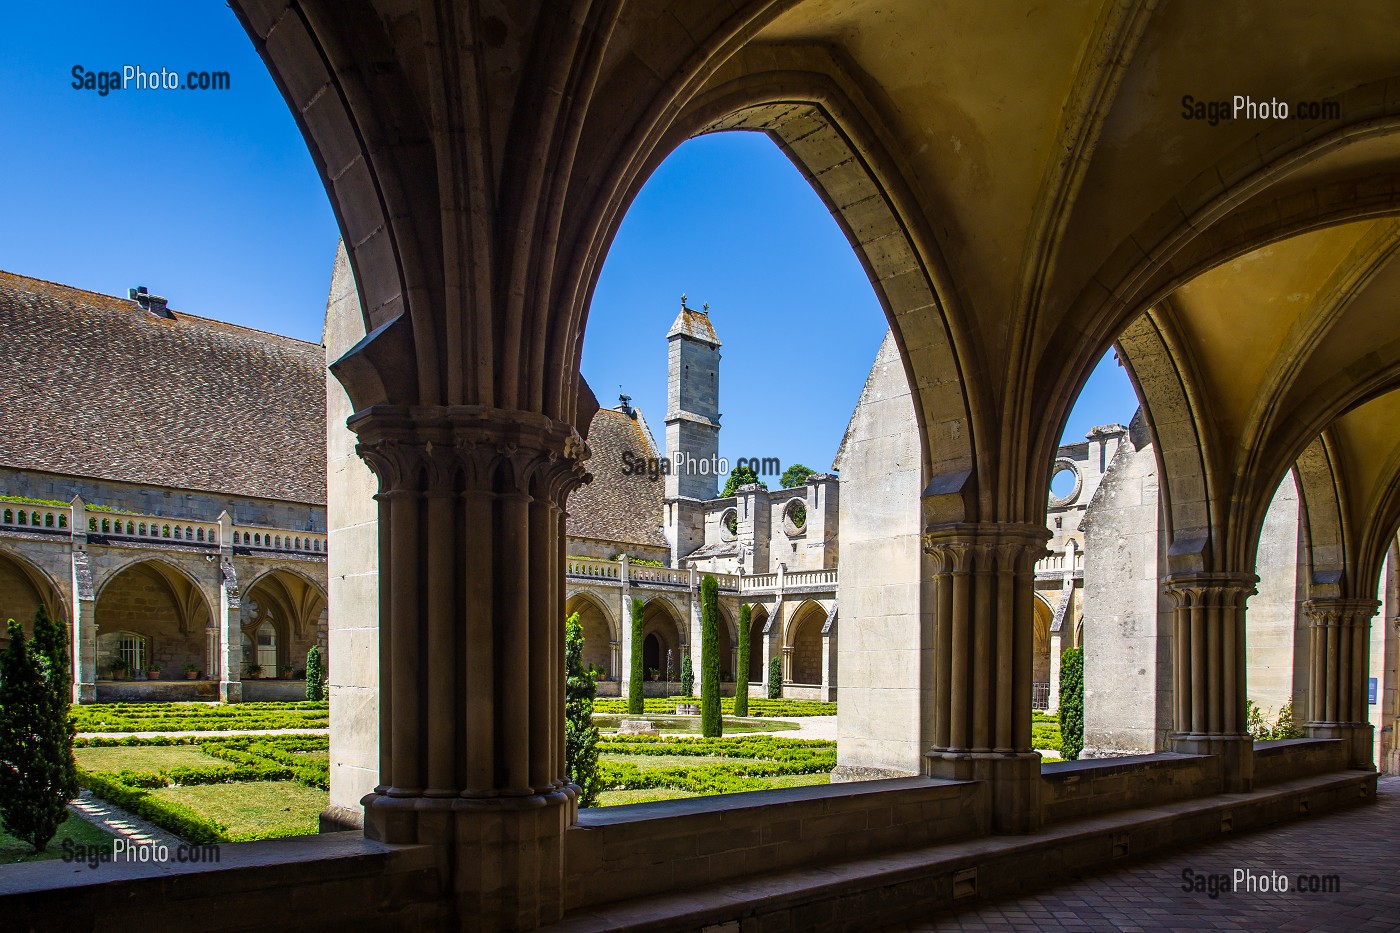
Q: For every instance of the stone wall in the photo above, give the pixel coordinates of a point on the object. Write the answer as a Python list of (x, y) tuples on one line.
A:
[(1276, 630), (1127, 620), (352, 576), (883, 652), (164, 501)]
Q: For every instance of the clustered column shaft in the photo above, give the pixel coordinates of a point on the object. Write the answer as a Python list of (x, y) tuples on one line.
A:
[(983, 635), (1338, 663), (471, 525), (1209, 646)]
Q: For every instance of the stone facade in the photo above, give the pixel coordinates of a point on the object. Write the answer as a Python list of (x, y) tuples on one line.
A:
[(188, 568)]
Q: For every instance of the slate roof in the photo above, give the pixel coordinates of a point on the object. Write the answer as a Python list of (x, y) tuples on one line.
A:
[(694, 324), (92, 385), (617, 506)]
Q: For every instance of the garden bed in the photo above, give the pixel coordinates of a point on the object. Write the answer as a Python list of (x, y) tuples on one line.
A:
[(200, 717)]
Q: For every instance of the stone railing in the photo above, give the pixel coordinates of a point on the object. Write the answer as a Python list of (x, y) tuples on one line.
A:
[(24, 516), (154, 529), (1055, 564), (759, 581), (810, 578), (607, 571), (261, 538), (654, 576)]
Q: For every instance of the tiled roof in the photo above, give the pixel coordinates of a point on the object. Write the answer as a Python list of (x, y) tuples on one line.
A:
[(92, 385), (618, 506), (694, 324)]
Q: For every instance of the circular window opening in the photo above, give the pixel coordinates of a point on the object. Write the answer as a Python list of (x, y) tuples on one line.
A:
[(729, 525), (795, 517), (1065, 483)]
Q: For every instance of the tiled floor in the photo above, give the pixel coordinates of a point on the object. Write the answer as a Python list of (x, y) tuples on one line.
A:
[(1360, 846)]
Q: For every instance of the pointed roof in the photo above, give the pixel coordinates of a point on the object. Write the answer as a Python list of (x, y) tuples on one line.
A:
[(695, 325)]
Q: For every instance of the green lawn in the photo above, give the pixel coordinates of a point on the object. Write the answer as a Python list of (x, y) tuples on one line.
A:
[(646, 762), (145, 758), (617, 798), (75, 829), (254, 809)]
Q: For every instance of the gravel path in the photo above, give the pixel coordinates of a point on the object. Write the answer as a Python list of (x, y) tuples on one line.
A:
[(118, 822)]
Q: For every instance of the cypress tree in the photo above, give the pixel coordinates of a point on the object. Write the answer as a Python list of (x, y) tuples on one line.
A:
[(775, 679), (635, 704), (37, 773), (741, 681), (687, 677), (1072, 703), (315, 675), (580, 735), (711, 725)]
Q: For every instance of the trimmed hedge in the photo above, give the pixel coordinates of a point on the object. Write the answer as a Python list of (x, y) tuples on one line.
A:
[(1072, 703), (198, 717), (762, 757), (179, 819), (771, 709)]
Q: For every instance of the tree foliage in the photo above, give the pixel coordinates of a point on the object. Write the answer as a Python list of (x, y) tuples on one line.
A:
[(1072, 703), (315, 675), (37, 773), (580, 735), (741, 676), (687, 677), (775, 679), (635, 673), (740, 476), (795, 475), (711, 724)]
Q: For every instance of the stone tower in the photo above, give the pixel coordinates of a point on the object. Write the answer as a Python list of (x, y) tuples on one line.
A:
[(692, 406)]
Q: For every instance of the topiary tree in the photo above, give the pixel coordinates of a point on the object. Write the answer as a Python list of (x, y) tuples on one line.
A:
[(580, 735), (315, 675), (711, 725), (687, 677), (740, 476), (37, 773), (741, 679), (1072, 703), (775, 679), (795, 475), (635, 704)]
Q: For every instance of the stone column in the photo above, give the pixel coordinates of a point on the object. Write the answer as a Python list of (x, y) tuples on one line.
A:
[(230, 621), (1056, 649), (1209, 685), (471, 523), (84, 627), (787, 664), (624, 628), (983, 663), (1339, 667), (695, 642), (828, 657)]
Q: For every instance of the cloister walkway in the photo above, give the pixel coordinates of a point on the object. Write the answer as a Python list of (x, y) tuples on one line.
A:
[(1361, 846)]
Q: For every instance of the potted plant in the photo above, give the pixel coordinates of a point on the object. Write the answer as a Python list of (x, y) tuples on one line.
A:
[(253, 672), (654, 673), (119, 669), (285, 672), (153, 671), (191, 671)]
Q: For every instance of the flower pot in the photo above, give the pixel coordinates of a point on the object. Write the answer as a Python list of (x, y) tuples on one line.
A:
[(191, 675), (153, 675), (286, 676)]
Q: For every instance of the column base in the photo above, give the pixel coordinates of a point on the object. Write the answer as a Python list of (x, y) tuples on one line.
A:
[(502, 856), (1236, 754), (1012, 779), (1359, 737), (84, 693), (230, 691)]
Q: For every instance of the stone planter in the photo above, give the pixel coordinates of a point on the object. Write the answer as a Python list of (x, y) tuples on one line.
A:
[(191, 675), (153, 675)]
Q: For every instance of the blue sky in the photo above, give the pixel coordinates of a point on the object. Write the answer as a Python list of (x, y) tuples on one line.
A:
[(211, 199)]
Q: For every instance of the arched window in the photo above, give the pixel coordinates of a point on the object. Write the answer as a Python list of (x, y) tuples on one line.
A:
[(121, 654), (130, 528), (143, 529), (177, 532), (9, 517), (23, 517), (165, 531), (63, 521), (257, 539), (92, 524)]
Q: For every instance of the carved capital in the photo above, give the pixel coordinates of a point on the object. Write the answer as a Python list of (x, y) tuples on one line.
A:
[(1328, 611), (1211, 590)]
